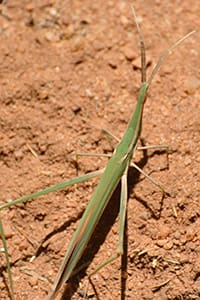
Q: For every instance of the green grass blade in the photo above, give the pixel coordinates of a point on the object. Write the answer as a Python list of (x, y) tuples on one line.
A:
[(7, 260)]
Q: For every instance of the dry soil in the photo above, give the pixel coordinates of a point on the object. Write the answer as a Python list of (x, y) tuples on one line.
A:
[(67, 70)]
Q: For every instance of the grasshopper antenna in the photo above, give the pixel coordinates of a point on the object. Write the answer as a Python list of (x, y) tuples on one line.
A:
[(165, 54), (142, 47)]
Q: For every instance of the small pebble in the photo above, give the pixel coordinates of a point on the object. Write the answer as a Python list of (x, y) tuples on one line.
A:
[(23, 245), (76, 109), (190, 234), (7, 231), (77, 44), (161, 243), (18, 154), (164, 232), (124, 20), (112, 64), (112, 60), (44, 94), (53, 12), (177, 235), (144, 215), (192, 85), (187, 161), (51, 36), (98, 45), (33, 281), (68, 33), (89, 93), (30, 7), (168, 245), (129, 52), (153, 252)]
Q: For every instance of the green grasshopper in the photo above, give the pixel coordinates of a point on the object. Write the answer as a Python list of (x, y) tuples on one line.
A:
[(115, 171)]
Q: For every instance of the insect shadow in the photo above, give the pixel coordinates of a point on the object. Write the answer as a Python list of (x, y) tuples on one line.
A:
[(103, 227)]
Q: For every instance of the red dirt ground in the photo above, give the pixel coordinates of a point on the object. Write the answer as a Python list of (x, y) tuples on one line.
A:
[(69, 69)]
